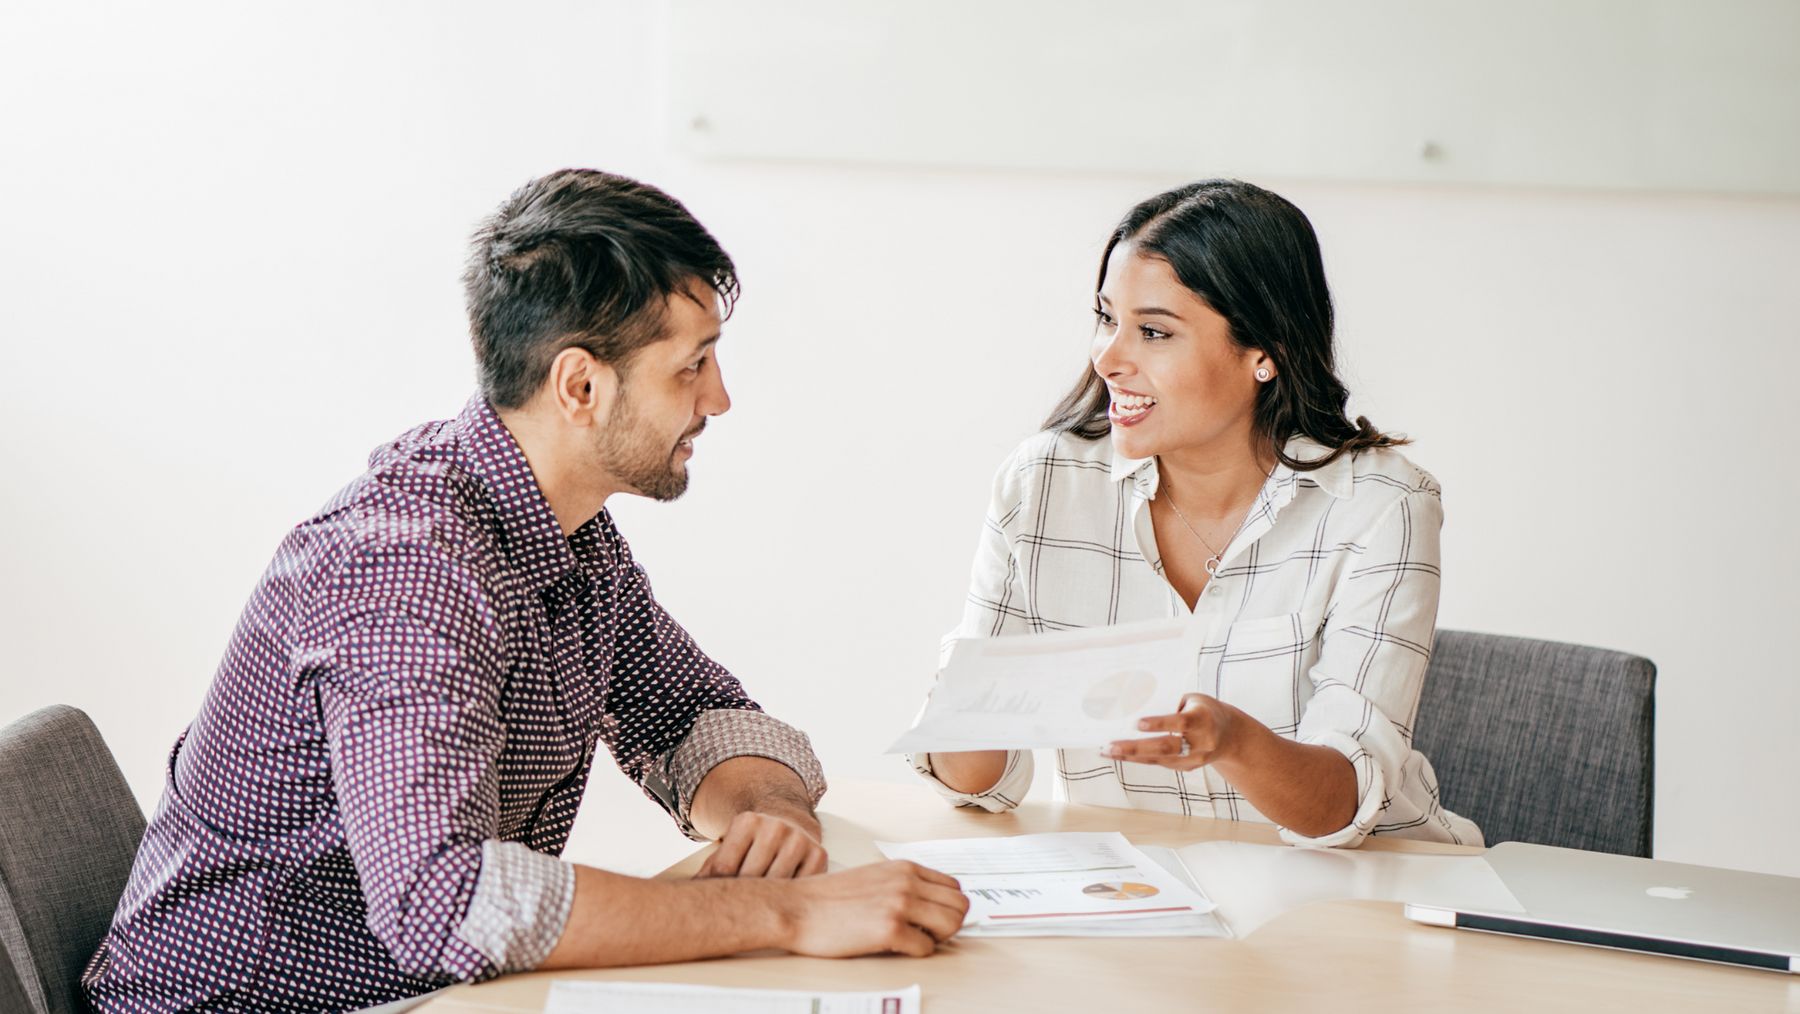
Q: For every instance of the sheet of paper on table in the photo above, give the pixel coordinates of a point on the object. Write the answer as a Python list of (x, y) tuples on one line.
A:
[(1067, 688), (1064, 884), (1253, 884), (576, 996)]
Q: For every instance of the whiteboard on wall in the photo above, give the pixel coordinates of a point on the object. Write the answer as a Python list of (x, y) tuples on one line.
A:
[(1636, 94)]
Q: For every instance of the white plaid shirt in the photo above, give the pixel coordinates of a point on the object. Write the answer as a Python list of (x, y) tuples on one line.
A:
[(1318, 624)]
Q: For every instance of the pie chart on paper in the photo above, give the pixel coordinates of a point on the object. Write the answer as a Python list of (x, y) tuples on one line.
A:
[(1119, 890), (1120, 695)]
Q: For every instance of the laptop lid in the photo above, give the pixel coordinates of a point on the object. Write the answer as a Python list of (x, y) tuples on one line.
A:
[(1638, 904)]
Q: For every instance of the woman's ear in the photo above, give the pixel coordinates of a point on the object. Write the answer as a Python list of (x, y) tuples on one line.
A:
[(1262, 367)]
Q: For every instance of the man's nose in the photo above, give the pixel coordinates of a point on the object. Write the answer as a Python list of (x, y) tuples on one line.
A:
[(717, 400)]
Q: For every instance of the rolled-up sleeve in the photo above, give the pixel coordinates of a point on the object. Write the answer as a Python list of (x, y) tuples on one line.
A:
[(718, 736), (1003, 795), (1371, 667), (521, 905), (994, 607), (405, 659)]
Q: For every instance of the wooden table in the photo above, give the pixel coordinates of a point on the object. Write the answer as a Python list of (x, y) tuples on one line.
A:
[(1331, 957)]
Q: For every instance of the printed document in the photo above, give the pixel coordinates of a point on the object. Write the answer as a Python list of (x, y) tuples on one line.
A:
[(1068, 688), (1063, 884), (576, 996)]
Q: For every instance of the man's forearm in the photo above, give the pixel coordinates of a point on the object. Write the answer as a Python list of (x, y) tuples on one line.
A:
[(745, 784), (621, 920)]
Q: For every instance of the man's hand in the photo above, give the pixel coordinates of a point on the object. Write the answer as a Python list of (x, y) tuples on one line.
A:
[(1205, 730), (893, 907), (761, 815), (767, 845)]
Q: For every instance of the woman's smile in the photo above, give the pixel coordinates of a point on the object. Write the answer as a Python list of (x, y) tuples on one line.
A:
[(1129, 408)]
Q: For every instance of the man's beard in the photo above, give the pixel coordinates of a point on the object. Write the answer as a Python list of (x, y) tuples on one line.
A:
[(631, 452)]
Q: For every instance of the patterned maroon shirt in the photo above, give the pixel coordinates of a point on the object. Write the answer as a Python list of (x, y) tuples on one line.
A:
[(369, 803)]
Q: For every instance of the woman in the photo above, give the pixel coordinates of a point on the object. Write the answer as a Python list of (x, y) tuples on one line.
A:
[(1204, 465)]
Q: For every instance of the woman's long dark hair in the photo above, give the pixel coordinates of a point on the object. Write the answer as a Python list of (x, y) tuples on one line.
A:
[(1251, 256)]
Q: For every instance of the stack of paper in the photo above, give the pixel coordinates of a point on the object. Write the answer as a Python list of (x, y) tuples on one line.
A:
[(1065, 884)]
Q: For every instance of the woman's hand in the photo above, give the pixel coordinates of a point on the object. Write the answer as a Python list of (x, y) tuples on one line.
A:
[(1306, 788), (1204, 730)]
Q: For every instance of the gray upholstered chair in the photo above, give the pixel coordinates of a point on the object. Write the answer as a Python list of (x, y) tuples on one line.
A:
[(70, 829), (1542, 742)]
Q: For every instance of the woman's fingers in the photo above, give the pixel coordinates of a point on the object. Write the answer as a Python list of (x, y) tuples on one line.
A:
[(1194, 708), (1155, 746), (1164, 723)]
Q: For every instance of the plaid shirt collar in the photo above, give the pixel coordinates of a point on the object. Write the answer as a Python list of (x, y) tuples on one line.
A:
[(533, 537), (1336, 478)]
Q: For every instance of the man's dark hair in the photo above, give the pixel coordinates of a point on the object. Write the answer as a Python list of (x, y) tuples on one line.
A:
[(580, 258)]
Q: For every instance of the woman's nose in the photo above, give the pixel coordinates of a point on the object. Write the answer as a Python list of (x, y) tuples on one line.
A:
[(1109, 361)]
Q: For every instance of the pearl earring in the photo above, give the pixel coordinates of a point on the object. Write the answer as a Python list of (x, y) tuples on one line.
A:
[(1262, 374)]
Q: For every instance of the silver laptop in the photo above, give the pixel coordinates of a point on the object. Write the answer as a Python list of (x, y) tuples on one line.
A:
[(1633, 904)]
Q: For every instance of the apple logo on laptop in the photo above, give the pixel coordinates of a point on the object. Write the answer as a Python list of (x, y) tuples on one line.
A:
[(1673, 893)]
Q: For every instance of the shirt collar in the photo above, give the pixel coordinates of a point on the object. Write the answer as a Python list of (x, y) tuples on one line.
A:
[(1337, 478), (532, 537)]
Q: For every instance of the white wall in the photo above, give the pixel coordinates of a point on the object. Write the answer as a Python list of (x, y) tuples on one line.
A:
[(232, 236)]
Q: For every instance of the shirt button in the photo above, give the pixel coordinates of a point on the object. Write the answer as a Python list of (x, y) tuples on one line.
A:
[(1214, 590)]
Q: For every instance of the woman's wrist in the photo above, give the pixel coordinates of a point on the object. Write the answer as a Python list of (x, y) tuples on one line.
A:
[(1308, 789), (1244, 743)]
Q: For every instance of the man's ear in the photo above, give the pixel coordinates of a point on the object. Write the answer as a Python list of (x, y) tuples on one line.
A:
[(582, 389)]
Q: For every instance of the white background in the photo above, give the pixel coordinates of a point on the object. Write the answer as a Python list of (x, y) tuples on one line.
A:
[(231, 242)]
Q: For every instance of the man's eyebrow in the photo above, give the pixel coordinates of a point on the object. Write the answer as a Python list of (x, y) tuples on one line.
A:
[(708, 343)]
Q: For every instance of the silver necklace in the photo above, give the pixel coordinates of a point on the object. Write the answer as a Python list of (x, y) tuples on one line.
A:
[(1213, 561)]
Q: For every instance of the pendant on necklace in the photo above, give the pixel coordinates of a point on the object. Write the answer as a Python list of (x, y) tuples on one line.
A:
[(1212, 566)]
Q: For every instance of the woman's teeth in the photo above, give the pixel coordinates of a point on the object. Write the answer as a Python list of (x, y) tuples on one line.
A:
[(1132, 404)]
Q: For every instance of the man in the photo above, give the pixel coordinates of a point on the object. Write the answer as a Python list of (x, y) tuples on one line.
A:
[(372, 798)]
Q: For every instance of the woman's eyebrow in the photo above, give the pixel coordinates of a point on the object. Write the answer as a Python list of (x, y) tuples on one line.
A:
[(1142, 311)]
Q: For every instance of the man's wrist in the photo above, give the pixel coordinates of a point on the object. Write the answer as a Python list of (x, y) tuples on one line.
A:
[(789, 808), (776, 911), (800, 816), (750, 784)]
